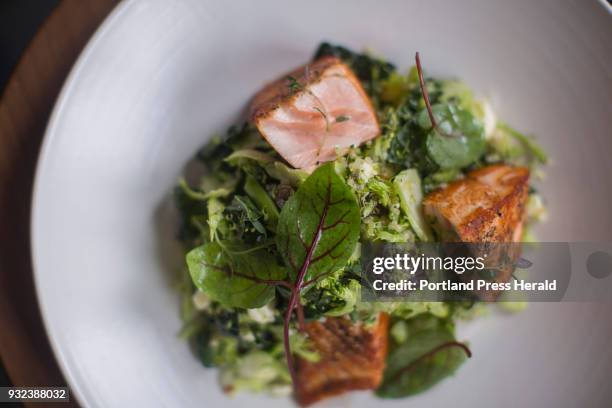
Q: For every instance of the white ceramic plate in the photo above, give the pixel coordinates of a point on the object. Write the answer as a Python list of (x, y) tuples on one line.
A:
[(161, 76)]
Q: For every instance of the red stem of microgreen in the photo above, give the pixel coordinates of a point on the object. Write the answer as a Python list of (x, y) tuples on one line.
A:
[(286, 284), (300, 315), (294, 300), (424, 91), (298, 285)]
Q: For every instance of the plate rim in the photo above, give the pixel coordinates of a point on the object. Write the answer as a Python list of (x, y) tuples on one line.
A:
[(49, 136)]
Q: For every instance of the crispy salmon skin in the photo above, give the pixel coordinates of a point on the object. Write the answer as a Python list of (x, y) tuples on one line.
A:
[(352, 357), (314, 112), (487, 206)]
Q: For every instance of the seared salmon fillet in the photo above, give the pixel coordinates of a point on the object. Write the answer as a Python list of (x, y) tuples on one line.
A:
[(487, 206), (314, 112), (352, 358)]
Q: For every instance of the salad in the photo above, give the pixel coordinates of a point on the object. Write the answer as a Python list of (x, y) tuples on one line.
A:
[(344, 150)]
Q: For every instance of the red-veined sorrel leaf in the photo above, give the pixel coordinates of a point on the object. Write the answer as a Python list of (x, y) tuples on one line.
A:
[(317, 232), (319, 225), (425, 358), (232, 276)]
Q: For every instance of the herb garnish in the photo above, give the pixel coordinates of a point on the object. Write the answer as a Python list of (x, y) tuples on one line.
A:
[(424, 91), (317, 233), (342, 118), (456, 138), (229, 274), (318, 229), (325, 117), (428, 354), (294, 84)]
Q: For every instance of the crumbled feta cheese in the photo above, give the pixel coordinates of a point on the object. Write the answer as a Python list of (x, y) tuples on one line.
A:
[(262, 315), (248, 336), (200, 300)]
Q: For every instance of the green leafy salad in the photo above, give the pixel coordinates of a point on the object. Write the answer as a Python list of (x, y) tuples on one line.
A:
[(271, 248)]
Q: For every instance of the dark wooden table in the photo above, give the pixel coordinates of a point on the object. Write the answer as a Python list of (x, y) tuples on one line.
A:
[(25, 106)]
